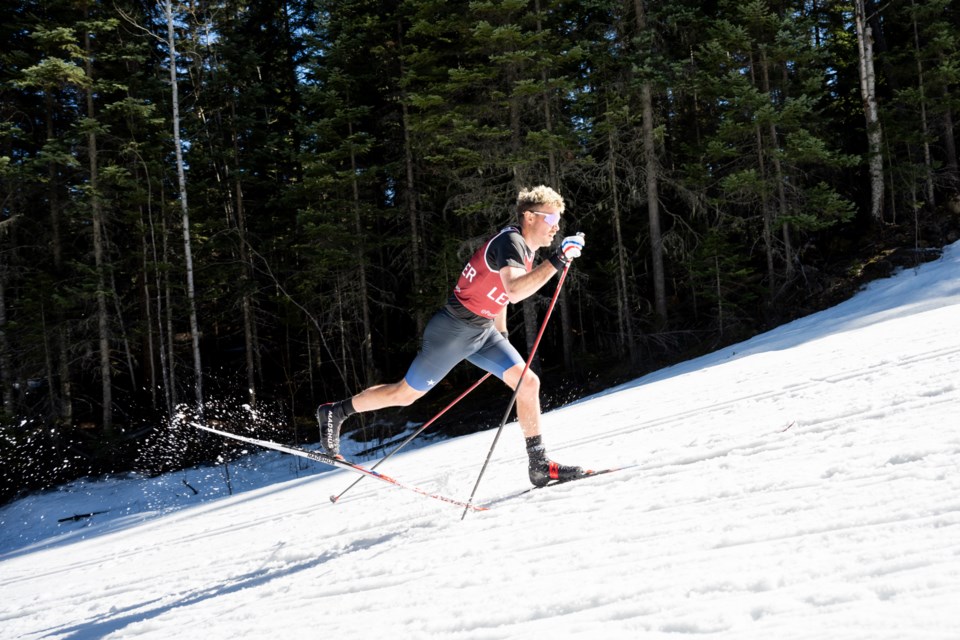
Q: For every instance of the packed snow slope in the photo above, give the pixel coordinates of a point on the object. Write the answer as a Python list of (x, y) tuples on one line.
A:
[(803, 484)]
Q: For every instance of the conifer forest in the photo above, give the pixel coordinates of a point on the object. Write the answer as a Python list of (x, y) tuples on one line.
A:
[(226, 209)]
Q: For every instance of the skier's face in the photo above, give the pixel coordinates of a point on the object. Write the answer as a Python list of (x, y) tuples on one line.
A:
[(543, 222)]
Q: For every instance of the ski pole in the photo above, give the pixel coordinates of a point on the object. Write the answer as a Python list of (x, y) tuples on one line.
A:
[(516, 390), (413, 435)]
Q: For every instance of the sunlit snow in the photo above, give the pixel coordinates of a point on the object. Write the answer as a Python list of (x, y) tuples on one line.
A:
[(803, 484)]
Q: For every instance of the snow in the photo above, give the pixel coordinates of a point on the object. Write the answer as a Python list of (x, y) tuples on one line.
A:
[(803, 484)]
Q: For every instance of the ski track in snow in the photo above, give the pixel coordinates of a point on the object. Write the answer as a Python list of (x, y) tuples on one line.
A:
[(804, 484)]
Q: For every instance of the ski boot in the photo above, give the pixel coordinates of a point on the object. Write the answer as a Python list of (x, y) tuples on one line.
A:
[(544, 471), (330, 417)]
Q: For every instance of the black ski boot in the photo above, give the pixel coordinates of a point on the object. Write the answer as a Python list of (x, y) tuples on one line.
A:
[(543, 470), (330, 416)]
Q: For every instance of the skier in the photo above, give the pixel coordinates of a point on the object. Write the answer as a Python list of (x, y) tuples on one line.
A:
[(473, 326)]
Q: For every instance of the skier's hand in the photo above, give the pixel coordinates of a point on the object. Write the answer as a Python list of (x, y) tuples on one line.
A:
[(569, 248)]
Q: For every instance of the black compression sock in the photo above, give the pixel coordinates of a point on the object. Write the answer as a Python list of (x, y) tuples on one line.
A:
[(346, 407), (535, 448)]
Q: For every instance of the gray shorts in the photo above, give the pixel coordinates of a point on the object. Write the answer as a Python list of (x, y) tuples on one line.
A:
[(447, 341)]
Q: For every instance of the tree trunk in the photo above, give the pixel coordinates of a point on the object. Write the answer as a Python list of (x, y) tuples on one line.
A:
[(767, 215), (148, 331), (924, 125), (949, 142), (246, 266), (161, 284), (369, 368), (99, 252), (765, 206), (652, 166), (777, 171), (185, 211), (5, 369), (870, 108), (623, 298), (123, 337), (410, 198), (60, 387)]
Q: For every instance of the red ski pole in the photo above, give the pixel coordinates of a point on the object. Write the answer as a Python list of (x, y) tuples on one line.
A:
[(513, 399)]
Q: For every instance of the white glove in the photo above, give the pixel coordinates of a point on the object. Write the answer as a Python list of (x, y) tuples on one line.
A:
[(570, 248)]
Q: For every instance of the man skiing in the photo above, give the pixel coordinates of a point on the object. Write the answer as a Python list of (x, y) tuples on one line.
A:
[(473, 326)]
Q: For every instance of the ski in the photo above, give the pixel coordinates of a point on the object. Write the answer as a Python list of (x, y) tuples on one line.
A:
[(589, 473), (336, 462)]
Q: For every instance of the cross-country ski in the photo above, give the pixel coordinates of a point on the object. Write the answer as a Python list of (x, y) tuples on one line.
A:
[(333, 461)]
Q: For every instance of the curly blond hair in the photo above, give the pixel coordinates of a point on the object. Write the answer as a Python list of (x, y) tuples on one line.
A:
[(542, 194)]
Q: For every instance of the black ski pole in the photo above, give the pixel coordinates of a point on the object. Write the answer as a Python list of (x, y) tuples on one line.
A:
[(413, 435), (516, 390)]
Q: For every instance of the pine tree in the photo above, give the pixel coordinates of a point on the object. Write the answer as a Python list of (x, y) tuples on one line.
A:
[(768, 160)]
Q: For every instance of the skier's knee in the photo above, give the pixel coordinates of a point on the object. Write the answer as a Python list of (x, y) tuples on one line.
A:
[(405, 395), (530, 384)]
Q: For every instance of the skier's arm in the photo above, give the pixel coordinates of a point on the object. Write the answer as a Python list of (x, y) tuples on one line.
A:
[(520, 285)]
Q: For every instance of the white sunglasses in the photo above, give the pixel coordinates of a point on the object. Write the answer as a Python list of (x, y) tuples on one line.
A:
[(550, 218)]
